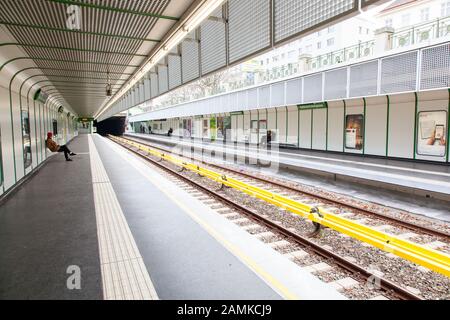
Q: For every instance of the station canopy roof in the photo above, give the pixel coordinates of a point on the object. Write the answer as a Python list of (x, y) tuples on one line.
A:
[(81, 46)]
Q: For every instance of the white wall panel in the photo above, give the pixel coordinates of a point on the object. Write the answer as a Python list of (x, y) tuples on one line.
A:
[(319, 129), (305, 129), (18, 136), (292, 125), (401, 128), (294, 91), (271, 119), (6, 136), (281, 125), (336, 126), (376, 126)]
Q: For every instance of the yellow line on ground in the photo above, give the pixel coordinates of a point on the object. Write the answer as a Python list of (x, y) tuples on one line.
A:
[(266, 276)]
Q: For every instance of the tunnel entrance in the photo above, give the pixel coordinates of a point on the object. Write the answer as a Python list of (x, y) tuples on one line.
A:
[(113, 125)]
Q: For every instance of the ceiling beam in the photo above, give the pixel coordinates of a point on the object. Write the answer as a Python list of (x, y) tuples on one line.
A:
[(114, 9), (71, 49), (69, 61), (22, 25)]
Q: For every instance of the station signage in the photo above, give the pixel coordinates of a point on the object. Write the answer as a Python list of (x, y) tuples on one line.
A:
[(86, 119), (236, 113), (308, 106), (40, 96)]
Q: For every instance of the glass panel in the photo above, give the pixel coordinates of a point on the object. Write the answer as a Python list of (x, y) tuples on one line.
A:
[(26, 139)]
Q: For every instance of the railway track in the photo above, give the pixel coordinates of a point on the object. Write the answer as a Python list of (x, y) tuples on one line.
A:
[(389, 288), (314, 196)]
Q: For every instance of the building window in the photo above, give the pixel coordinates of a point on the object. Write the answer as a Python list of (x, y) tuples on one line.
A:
[(406, 19), (388, 22), (445, 9), (330, 42), (360, 30), (425, 14), (319, 45), (331, 29)]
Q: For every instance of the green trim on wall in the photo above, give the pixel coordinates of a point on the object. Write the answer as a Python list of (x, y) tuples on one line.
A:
[(388, 111), (276, 122), (298, 128), (364, 124), (326, 130), (258, 128), (287, 119), (71, 49), (312, 127), (448, 123), (343, 128), (416, 105), (114, 9), (1, 162), (308, 106), (23, 25), (69, 61)]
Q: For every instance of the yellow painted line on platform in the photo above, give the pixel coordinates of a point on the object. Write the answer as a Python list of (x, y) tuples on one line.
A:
[(267, 277), (427, 257)]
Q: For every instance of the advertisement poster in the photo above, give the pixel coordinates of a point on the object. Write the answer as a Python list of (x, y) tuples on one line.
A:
[(354, 130), (432, 133)]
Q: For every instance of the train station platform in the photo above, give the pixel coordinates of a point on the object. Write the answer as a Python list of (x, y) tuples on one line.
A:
[(109, 226), (419, 178)]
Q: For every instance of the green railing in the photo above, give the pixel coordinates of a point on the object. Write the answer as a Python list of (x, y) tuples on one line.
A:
[(421, 33)]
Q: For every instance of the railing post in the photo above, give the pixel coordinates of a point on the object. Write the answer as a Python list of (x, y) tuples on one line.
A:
[(438, 28), (384, 40)]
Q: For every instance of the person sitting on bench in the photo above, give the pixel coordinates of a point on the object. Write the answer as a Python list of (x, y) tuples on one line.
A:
[(54, 147)]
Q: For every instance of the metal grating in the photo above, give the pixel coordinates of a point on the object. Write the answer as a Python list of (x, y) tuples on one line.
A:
[(174, 63), (190, 60), (313, 88), (398, 73), (293, 16), (363, 79), (121, 33), (142, 92), (294, 91), (163, 81), (264, 96), (249, 27), (253, 98), (277, 94), (212, 45), (154, 84), (336, 84), (243, 99), (435, 69), (147, 88)]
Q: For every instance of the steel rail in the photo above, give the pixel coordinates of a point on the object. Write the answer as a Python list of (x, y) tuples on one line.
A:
[(427, 257), (304, 242), (405, 224)]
